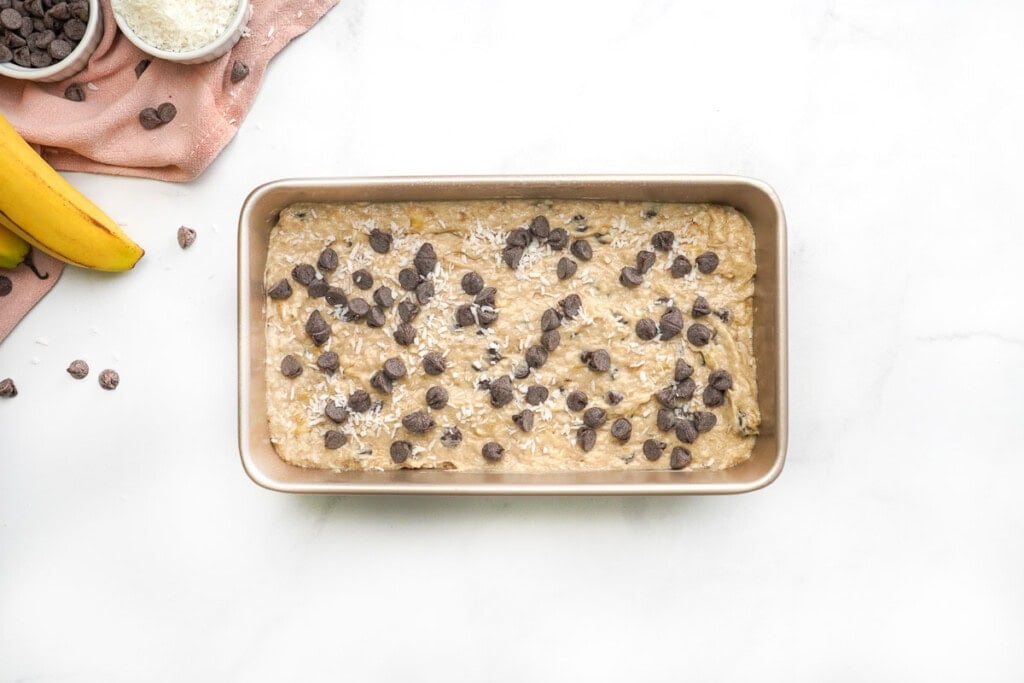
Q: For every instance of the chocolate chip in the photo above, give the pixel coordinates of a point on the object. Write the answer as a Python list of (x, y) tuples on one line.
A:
[(586, 438), (335, 413), (6, 55), (594, 417), (630, 277), (425, 292), (550, 340), (644, 261), (539, 227), (666, 419), (524, 420), (472, 283), (74, 92), (492, 451), (408, 310), (598, 361), (7, 388), (380, 241), (622, 429), (486, 315), (317, 328), (698, 334), (74, 28), (701, 307), (437, 397), (550, 320), (304, 274), (335, 296), (649, 213), (704, 421), (78, 369), (328, 259), (149, 118), (333, 439), (536, 356), (383, 297), (685, 431), (359, 401), (375, 317), (238, 71), (713, 397), (680, 266), (280, 290), (501, 392), (381, 382), (400, 451), (666, 396), (166, 112), (80, 9), (723, 315), (394, 368), (521, 371), (405, 334), (662, 241), (409, 279), (680, 458), (720, 379), (707, 262), (512, 256), (671, 323), (425, 259), (464, 316), (10, 19), (433, 363), (328, 361), (317, 288), (141, 67), (576, 401), (518, 238), (685, 389), (109, 379), (614, 398), (362, 278), (571, 306), (646, 329), (451, 437), (40, 59), (358, 308), (34, 8), (566, 268), (682, 371), (290, 366), (558, 239), (581, 249), (653, 449), (418, 422), (23, 57), (536, 394), (486, 297)]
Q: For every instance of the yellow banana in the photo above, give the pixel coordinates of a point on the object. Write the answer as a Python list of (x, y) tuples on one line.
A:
[(38, 205), (13, 249)]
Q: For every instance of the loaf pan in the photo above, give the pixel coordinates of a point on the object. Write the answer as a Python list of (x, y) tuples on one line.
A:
[(751, 197)]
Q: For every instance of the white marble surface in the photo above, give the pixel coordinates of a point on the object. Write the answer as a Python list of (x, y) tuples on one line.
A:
[(133, 547)]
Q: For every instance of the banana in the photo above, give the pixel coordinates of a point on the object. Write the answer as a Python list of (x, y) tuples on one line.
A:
[(45, 210), (13, 249)]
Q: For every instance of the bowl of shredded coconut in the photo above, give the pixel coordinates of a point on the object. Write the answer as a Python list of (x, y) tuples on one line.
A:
[(184, 31)]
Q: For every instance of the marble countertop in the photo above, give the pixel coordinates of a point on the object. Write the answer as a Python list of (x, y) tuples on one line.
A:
[(133, 547)]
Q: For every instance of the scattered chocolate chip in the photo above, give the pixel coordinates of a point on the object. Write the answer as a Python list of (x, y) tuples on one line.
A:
[(662, 241), (666, 396), (492, 451), (512, 256), (707, 262), (317, 328), (238, 71), (109, 379), (409, 279), (451, 437), (433, 363), (685, 389), (280, 290), (571, 306), (149, 118), (437, 397), (425, 292), (566, 268), (358, 308), (550, 340), (594, 417), (713, 397), (400, 451), (394, 368), (335, 413), (704, 421), (166, 112), (701, 307), (646, 329), (359, 401), (418, 422), (335, 296), (653, 449), (558, 239), (581, 249), (671, 323), (720, 379), (723, 315), (74, 92), (375, 317), (524, 420), (698, 334), (380, 241), (333, 439), (472, 283), (463, 315), (586, 438), (381, 382), (685, 431), (576, 401), (598, 361), (141, 67), (622, 429), (680, 266), (7, 388), (304, 274), (539, 227), (550, 320), (317, 288), (408, 310), (328, 361), (630, 277), (486, 296), (501, 392), (521, 371), (362, 278), (644, 261), (78, 369), (486, 315), (536, 356), (682, 371), (425, 259), (328, 260), (405, 334), (666, 419), (290, 366), (680, 458), (536, 394), (383, 297), (518, 238), (614, 398)]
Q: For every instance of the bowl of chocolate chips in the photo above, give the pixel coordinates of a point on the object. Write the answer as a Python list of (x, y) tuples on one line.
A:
[(48, 40)]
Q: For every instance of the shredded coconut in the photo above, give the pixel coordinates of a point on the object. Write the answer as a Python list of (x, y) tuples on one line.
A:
[(177, 26)]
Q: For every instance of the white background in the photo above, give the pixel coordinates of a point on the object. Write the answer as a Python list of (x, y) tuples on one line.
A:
[(133, 547)]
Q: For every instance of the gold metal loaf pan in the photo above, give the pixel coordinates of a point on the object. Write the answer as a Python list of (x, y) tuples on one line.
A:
[(753, 198)]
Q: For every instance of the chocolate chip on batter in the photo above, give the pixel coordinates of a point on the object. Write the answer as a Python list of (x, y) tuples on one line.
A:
[(409, 279), (666, 396), (418, 422), (317, 328), (707, 262), (437, 397), (614, 398), (536, 356), (662, 241), (524, 420), (649, 214), (571, 306), (539, 227), (384, 297), (680, 266), (358, 308), (598, 361), (558, 239), (666, 419), (512, 256), (630, 277), (698, 334), (317, 288), (304, 273), (536, 394), (433, 363), (380, 241), (290, 366), (685, 389), (78, 369), (518, 238), (521, 370), (362, 279), (405, 334), (576, 401), (622, 429), (685, 431), (472, 283), (408, 310), (550, 320), (501, 391), (375, 317), (594, 417), (486, 315), (425, 292), (723, 315), (582, 250), (653, 449), (280, 290), (380, 382), (550, 340), (586, 438), (720, 379), (701, 307), (713, 397), (566, 268), (644, 261), (671, 323), (328, 259), (451, 437), (394, 368), (400, 451), (333, 439), (425, 259), (328, 361), (682, 370), (646, 329), (492, 451), (463, 315), (704, 421), (486, 296), (335, 296), (680, 458), (335, 413), (7, 388)]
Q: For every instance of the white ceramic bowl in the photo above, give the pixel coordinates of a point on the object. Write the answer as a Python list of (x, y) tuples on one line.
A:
[(70, 65), (209, 52)]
